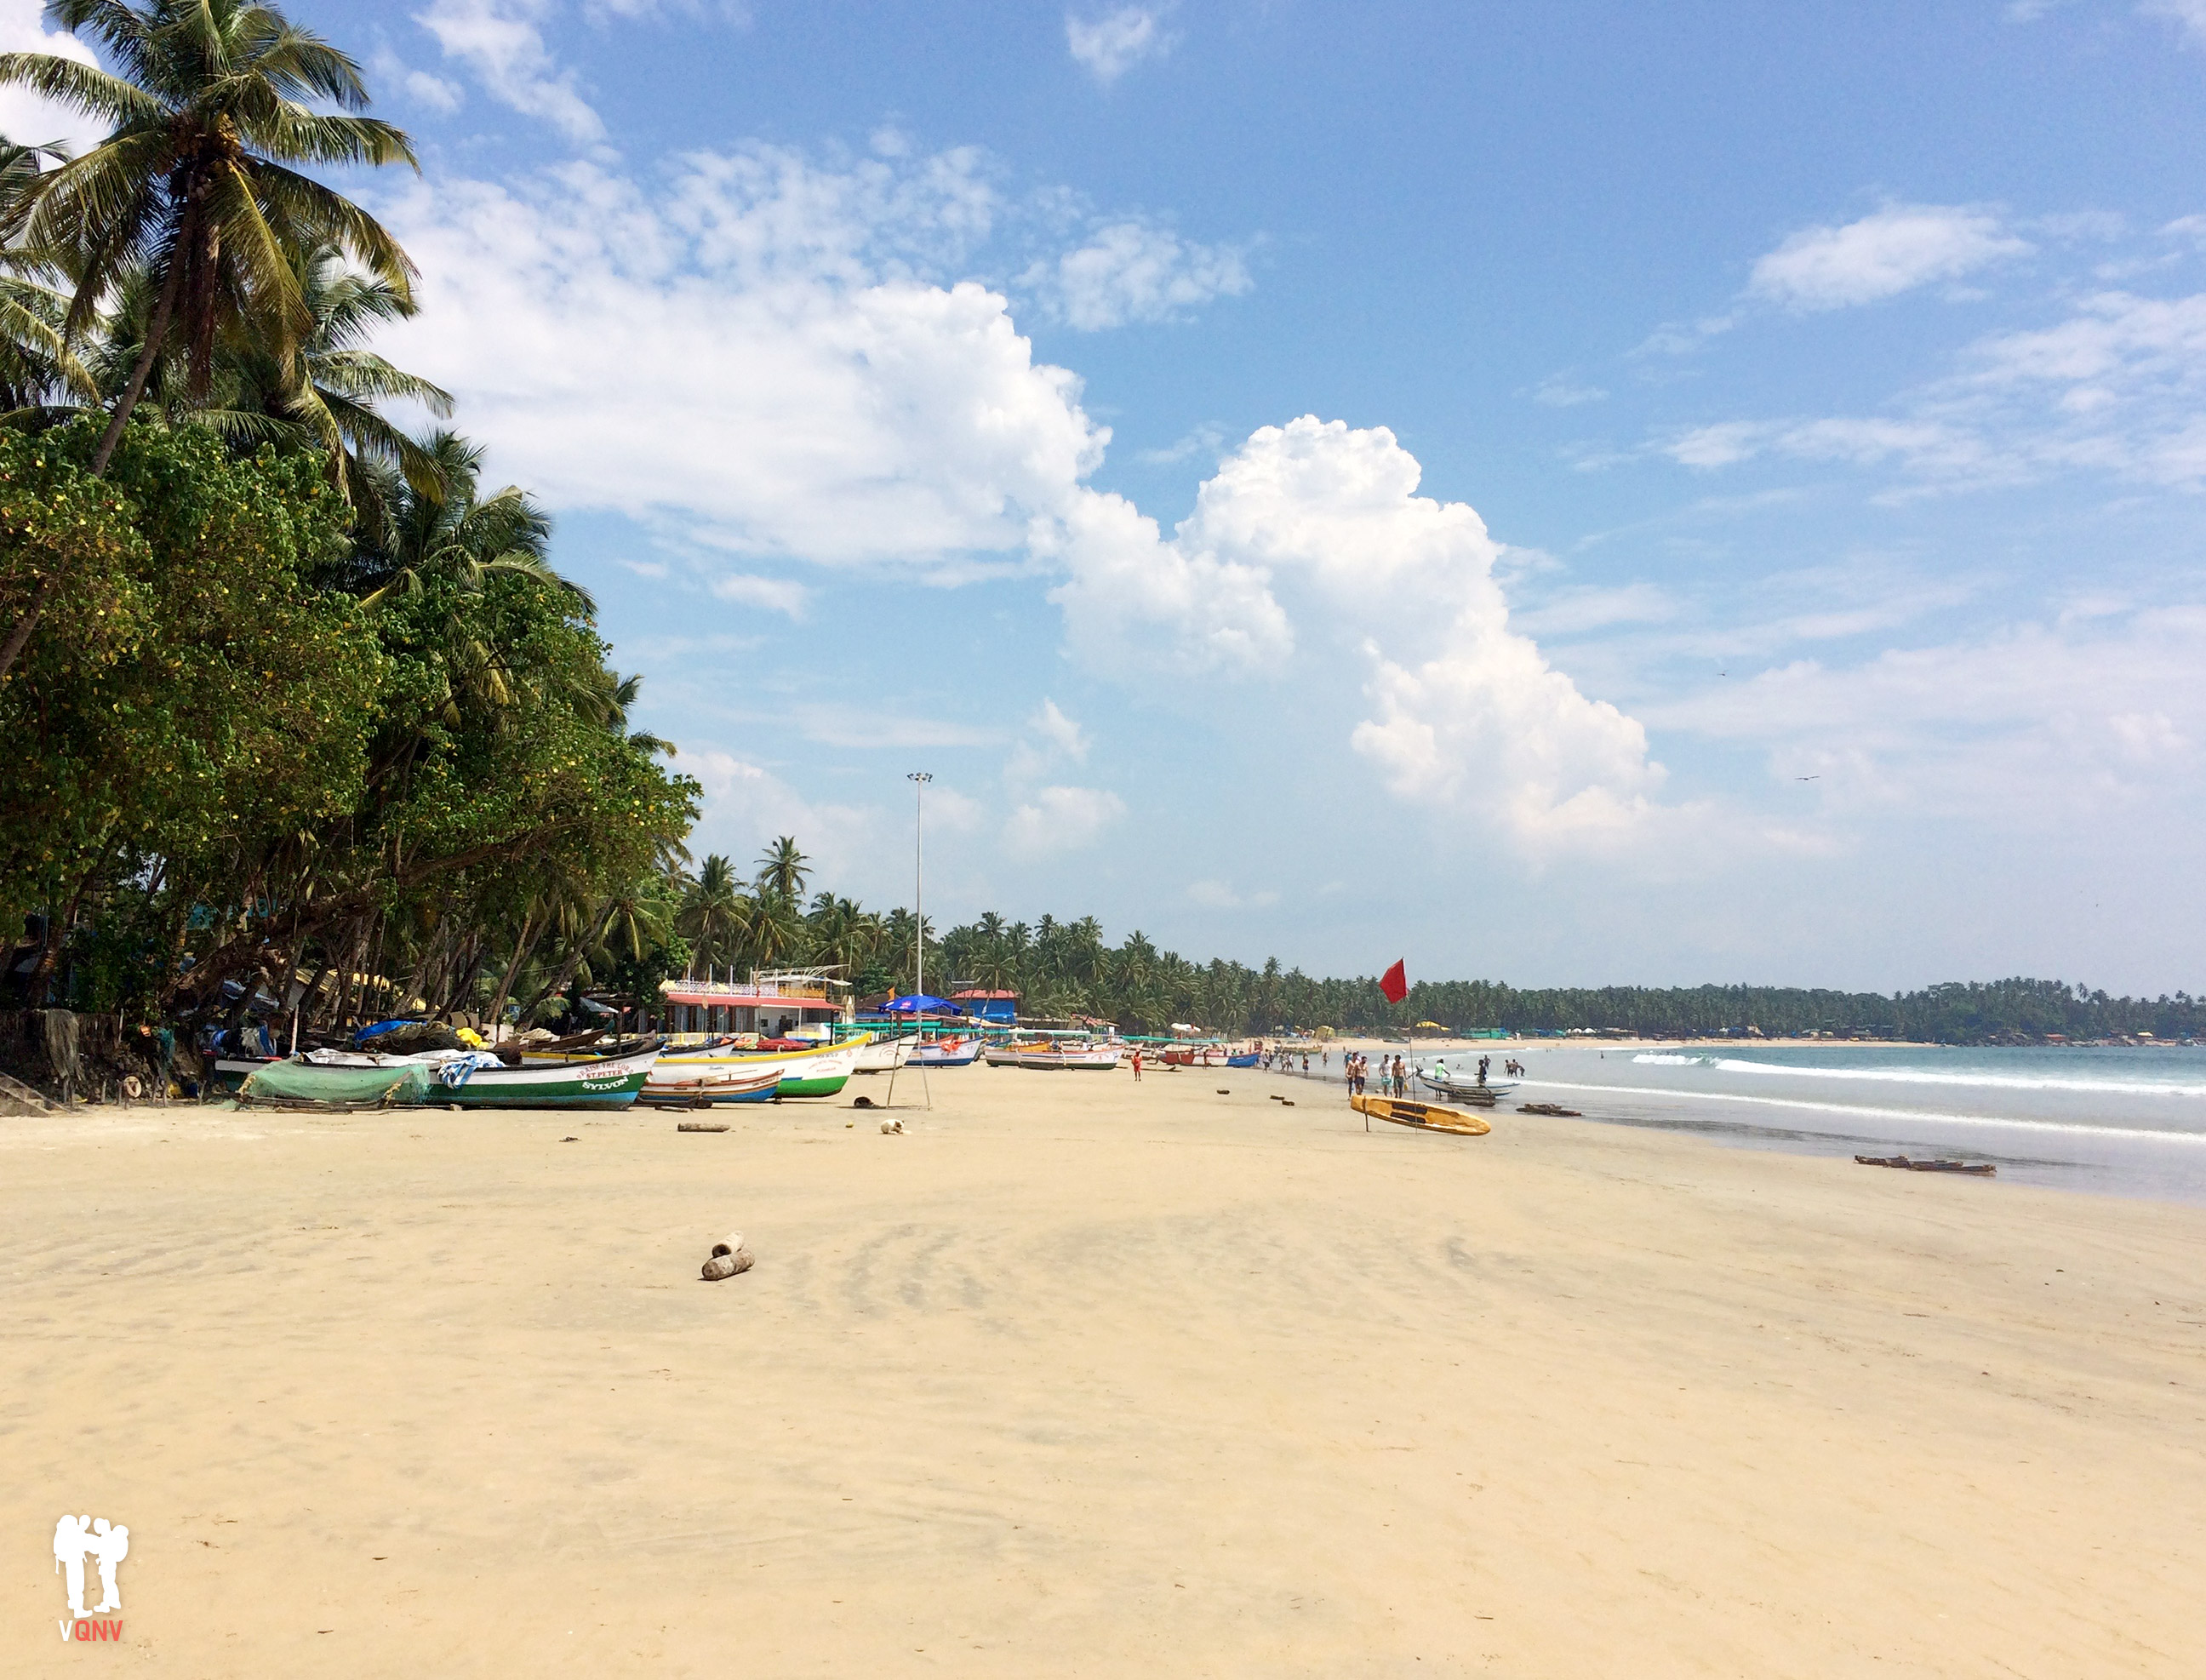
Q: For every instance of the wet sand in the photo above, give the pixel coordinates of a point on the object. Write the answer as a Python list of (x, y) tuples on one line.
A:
[(1084, 1377)]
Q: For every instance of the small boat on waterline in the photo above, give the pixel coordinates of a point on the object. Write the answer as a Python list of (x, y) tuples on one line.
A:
[(1420, 1117), (947, 1053), (1464, 1090)]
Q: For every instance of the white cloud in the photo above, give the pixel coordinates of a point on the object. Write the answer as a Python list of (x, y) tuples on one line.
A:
[(1113, 44), (1561, 393), (1468, 715), (1881, 255), (1134, 603), (2115, 388), (1061, 819), (502, 43), (743, 353), (2031, 722), (744, 806), (25, 118), (1130, 271), (2189, 15), (433, 92), (775, 595), (1221, 895), (1062, 734)]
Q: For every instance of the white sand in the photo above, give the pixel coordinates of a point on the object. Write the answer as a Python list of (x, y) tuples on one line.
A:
[(1083, 1378)]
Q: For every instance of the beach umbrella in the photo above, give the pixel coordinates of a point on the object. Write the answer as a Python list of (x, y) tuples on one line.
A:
[(919, 1002)]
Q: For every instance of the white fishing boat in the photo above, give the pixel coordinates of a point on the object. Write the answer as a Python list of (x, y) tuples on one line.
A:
[(1083, 1057), (947, 1053), (798, 1073), (885, 1056)]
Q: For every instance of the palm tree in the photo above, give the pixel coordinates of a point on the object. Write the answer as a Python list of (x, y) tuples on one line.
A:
[(194, 185), (448, 534), (783, 869), (715, 915), (36, 364), (330, 389)]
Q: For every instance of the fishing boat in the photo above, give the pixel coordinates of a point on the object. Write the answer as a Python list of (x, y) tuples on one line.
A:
[(299, 1083), (947, 1053), (883, 1056), (687, 1088), (798, 1073), (1086, 1057), (1464, 1090), (471, 1078), (1248, 1059), (1420, 1117)]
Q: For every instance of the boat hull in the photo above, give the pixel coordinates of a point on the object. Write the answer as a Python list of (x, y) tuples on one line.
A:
[(604, 1084), (796, 1073), (1420, 1117)]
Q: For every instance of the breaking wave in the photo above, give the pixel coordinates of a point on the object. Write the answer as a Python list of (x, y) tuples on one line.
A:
[(1971, 1080)]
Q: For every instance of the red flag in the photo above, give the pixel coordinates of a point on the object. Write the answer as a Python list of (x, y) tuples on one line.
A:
[(1394, 984)]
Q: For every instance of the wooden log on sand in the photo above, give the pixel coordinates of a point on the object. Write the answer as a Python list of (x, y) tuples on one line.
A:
[(727, 1258)]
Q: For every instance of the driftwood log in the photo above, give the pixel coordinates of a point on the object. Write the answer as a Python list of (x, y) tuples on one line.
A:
[(727, 1258)]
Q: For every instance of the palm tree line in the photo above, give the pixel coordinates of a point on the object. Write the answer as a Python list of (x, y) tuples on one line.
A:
[(192, 418)]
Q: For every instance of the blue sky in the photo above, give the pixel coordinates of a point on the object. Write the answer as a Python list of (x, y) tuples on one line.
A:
[(1574, 493)]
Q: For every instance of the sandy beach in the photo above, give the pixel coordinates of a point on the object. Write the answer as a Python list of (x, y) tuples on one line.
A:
[(1082, 1376)]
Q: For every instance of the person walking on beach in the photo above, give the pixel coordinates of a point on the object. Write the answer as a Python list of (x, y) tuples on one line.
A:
[(1137, 1062)]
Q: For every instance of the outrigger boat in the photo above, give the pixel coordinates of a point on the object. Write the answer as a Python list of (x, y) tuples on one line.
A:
[(1464, 1090), (1420, 1117)]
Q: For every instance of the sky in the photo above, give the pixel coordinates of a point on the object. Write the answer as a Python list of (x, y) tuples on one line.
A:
[(1588, 493)]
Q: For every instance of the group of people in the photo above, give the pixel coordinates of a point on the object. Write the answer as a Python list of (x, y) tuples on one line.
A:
[(1393, 1075)]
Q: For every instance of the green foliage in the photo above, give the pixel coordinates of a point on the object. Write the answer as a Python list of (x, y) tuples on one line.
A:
[(160, 715)]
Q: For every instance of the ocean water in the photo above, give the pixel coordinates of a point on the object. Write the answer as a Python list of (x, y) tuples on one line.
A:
[(2129, 1121)]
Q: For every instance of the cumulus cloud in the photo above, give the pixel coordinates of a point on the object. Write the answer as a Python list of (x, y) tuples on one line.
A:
[(1467, 715), (1112, 45), (1130, 271), (1881, 255), (1059, 820), (25, 118), (746, 353), (501, 42)]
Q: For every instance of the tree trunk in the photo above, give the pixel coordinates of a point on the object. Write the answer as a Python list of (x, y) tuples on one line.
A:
[(526, 943), (574, 959)]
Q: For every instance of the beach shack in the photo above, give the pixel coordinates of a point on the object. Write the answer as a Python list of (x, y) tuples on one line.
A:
[(990, 1009), (773, 1005)]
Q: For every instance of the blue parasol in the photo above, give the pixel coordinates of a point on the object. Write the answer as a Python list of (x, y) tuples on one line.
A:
[(919, 1004)]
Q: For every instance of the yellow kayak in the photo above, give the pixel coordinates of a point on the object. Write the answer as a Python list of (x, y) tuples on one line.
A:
[(1426, 1117)]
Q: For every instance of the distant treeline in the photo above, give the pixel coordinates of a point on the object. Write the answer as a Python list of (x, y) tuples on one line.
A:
[(1065, 968), (1954, 1012)]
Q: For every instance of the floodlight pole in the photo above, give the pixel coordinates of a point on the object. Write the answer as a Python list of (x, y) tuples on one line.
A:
[(919, 778)]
